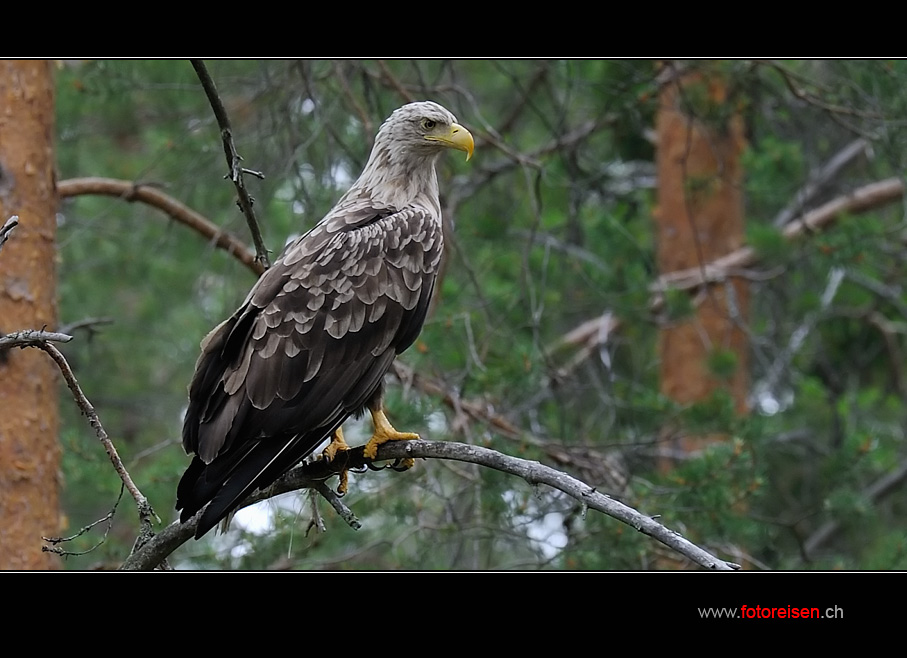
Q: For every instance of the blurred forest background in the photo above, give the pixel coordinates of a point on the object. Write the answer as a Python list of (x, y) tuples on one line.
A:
[(784, 448)]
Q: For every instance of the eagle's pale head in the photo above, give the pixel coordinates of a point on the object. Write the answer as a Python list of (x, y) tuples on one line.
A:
[(401, 168), (424, 128)]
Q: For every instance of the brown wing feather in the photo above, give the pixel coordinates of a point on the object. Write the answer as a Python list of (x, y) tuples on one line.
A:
[(309, 346)]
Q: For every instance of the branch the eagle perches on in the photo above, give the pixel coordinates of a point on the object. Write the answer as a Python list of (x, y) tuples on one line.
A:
[(313, 474)]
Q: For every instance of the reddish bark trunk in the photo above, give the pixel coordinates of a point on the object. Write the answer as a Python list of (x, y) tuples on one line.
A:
[(699, 218), (29, 449)]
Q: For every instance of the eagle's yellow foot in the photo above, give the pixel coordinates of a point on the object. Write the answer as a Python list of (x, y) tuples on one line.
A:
[(336, 445), (385, 432)]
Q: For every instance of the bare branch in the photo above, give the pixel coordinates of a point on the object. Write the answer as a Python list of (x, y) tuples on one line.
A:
[(798, 337), (394, 83), (107, 520), (860, 200), (146, 513), (130, 191), (820, 179), (314, 474), (40, 339), (539, 75), (794, 82), (31, 338), (368, 127), (90, 325), (7, 229), (516, 159), (233, 160), (334, 500), (472, 409)]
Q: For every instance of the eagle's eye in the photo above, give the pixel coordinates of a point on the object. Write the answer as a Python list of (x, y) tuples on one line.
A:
[(428, 124)]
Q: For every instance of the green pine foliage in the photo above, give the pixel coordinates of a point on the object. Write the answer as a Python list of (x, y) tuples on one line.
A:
[(552, 227)]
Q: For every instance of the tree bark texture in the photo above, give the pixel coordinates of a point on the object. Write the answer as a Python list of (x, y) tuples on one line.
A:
[(29, 448), (699, 219)]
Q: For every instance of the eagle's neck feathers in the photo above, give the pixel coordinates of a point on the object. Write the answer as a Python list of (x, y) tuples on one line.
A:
[(397, 178)]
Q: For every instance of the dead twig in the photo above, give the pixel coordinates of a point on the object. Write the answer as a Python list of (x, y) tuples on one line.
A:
[(236, 171), (31, 338), (41, 340)]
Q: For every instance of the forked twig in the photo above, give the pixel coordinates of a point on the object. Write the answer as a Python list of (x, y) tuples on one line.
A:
[(236, 171)]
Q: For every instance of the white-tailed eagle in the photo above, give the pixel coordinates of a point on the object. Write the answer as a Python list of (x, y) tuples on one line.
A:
[(314, 338)]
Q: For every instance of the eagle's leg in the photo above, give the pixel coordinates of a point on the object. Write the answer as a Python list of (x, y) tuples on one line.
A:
[(336, 445), (385, 432)]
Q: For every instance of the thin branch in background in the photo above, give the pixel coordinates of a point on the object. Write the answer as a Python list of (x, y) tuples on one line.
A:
[(394, 82), (797, 85), (819, 180), (89, 325), (7, 229), (890, 331), (368, 126), (108, 518), (485, 174), (798, 336), (507, 124), (130, 191), (233, 161)]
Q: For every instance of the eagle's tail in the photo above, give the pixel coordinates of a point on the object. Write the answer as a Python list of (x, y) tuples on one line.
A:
[(226, 482)]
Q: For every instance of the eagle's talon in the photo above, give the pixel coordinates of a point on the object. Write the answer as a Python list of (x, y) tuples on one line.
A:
[(403, 464), (331, 452), (336, 445)]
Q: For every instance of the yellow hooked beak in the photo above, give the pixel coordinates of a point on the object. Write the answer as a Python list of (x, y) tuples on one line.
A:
[(458, 138)]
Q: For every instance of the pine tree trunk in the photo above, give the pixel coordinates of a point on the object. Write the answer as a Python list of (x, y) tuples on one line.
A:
[(700, 218), (29, 449)]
